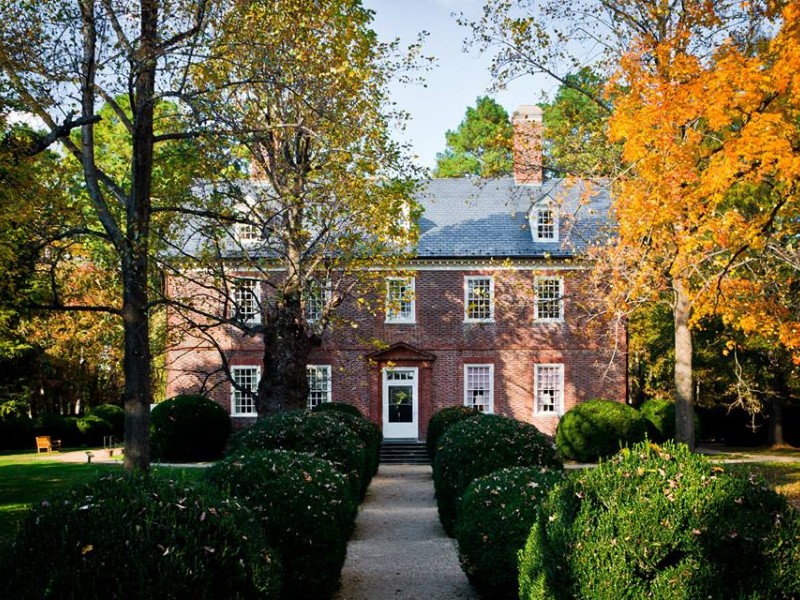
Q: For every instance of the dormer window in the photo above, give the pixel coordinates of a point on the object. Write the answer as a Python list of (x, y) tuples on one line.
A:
[(247, 230), (544, 223), (247, 233)]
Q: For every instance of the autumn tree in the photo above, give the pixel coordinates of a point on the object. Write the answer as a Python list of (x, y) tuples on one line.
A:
[(655, 49), (327, 196), (61, 60), (481, 145)]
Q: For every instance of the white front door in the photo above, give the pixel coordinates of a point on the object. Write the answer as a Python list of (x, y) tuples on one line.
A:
[(400, 403)]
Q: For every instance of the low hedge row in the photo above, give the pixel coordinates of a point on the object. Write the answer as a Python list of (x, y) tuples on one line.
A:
[(140, 538), (441, 421), (305, 508), (494, 520), (662, 522), (478, 446)]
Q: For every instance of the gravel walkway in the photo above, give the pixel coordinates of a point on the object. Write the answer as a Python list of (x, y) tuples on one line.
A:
[(399, 551)]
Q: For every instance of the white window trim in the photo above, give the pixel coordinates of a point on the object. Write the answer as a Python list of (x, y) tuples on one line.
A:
[(255, 319), (467, 279), (533, 218), (392, 319), (330, 383), (536, 317), (559, 411), (243, 230), (234, 412), (326, 297), (490, 404)]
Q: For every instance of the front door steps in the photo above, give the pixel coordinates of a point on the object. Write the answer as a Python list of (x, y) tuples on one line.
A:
[(404, 452)]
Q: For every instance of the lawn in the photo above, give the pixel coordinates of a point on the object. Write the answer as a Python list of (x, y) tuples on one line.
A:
[(28, 478)]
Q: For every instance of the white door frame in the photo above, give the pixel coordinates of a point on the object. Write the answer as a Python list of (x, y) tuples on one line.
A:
[(409, 430)]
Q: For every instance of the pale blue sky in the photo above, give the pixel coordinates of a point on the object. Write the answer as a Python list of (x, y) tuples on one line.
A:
[(456, 80)]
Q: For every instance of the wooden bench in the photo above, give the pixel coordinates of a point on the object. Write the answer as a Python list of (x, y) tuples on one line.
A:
[(44, 443)]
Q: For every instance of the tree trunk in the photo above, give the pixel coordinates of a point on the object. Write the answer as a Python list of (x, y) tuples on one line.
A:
[(775, 432), (135, 255), (287, 345), (684, 411)]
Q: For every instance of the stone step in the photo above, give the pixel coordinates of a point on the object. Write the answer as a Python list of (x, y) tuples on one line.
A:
[(410, 452)]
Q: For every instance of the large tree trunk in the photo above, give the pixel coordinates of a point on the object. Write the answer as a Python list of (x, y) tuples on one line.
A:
[(775, 424), (684, 410), (287, 345), (135, 256)]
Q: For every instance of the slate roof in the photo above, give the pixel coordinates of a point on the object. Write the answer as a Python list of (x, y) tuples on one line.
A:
[(470, 217)]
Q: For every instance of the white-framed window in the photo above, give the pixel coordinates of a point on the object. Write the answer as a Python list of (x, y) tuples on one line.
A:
[(478, 298), (319, 384), (479, 387), (314, 300), (243, 400), (544, 223), (548, 389), (400, 300), (247, 307), (248, 234), (549, 302)]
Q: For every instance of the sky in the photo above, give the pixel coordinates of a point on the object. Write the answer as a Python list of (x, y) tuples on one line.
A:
[(456, 80)]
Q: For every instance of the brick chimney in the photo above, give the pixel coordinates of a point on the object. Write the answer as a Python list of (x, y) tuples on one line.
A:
[(527, 122)]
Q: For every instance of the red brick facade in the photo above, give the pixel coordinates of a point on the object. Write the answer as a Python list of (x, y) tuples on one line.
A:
[(439, 343)]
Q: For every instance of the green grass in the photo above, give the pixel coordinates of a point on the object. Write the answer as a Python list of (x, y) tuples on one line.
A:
[(28, 478)]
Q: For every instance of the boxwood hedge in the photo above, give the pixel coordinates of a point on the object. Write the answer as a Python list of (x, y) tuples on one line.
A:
[(189, 427), (139, 538), (479, 446), (305, 507), (661, 522), (494, 519), (597, 429), (443, 419)]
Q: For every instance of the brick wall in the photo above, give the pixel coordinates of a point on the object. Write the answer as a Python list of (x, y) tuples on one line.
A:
[(361, 345)]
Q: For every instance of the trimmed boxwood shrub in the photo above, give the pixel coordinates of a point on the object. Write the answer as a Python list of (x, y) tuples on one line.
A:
[(660, 416), (479, 446), (139, 538), (494, 519), (598, 428), (305, 508), (114, 415), (338, 407), (661, 522), (16, 427), (372, 437), (189, 427), (443, 419), (320, 433), (93, 429)]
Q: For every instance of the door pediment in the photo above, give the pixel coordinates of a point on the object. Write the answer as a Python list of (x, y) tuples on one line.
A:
[(401, 352)]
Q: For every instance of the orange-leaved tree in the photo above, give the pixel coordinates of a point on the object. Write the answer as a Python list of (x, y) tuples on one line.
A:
[(710, 136)]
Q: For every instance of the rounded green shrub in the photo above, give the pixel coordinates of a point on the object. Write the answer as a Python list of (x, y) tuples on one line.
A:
[(660, 416), (189, 428), (372, 437), (479, 446), (320, 433), (598, 428), (114, 415), (443, 419), (663, 523), (305, 508), (93, 429), (140, 538), (16, 426), (494, 519), (338, 407)]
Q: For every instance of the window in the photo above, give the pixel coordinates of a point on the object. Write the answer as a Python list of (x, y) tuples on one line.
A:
[(319, 384), (544, 224), (247, 233), (549, 303), (400, 302), (478, 299), (315, 298), (479, 387), (246, 302), (245, 384), (548, 389)]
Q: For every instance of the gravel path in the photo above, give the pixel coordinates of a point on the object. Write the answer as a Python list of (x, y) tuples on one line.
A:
[(399, 551)]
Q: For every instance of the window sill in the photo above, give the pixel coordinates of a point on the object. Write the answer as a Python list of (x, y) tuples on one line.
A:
[(244, 415), (479, 320), (398, 322)]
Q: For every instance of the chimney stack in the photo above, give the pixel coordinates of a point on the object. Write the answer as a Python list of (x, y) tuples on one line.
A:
[(527, 122)]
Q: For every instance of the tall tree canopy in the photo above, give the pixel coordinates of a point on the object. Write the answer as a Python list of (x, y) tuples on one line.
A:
[(330, 193), (481, 145), (693, 162)]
